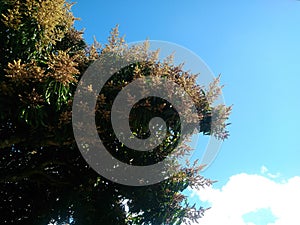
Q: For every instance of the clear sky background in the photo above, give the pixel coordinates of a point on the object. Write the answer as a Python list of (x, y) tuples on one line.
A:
[(255, 46)]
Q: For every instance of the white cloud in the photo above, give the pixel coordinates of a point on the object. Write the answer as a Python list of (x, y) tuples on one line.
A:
[(264, 170), (273, 176), (245, 193)]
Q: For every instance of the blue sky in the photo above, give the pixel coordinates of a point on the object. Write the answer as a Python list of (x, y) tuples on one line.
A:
[(255, 46)]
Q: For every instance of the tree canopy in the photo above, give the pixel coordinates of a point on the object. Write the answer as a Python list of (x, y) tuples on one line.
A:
[(43, 176)]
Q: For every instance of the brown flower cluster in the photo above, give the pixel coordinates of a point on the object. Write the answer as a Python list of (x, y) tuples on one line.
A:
[(33, 99), (23, 73), (63, 68), (13, 17), (50, 15), (53, 18)]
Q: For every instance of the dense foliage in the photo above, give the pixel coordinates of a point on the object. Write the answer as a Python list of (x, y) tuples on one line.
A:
[(43, 176)]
